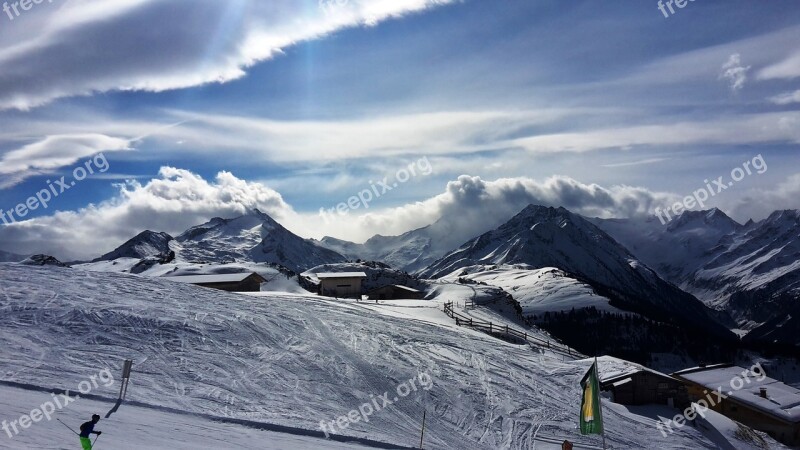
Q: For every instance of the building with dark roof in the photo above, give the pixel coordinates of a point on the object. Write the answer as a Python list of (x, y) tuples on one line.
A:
[(232, 282)]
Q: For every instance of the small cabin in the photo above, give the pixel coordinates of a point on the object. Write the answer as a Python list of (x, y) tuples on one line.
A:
[(341, 284), (750, 397), (395, 292), (633, 384), (231, 282)]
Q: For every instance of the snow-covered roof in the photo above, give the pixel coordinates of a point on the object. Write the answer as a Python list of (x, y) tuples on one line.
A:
[(341, 275), (206, 279), (782, 401)]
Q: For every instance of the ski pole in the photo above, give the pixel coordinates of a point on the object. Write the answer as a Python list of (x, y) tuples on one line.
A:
[(70, 429), (95, 440)]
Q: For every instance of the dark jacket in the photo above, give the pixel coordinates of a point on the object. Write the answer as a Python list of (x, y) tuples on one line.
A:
[(87, 429)]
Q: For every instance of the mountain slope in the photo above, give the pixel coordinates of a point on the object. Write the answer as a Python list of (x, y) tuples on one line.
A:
[(541, 237), (146, 244)]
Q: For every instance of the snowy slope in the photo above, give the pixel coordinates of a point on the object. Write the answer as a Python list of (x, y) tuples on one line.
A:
[(291, 360), (136, 427), (537, 290), (542, 237)]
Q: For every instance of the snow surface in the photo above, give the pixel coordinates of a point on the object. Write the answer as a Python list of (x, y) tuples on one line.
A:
[(136, 427), (537, 290), (291, 360)]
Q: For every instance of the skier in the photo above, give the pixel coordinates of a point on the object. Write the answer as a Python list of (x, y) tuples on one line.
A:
[(87, 429)]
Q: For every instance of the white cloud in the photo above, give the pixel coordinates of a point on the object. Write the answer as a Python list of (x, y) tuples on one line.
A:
[(446, 133), (285, 141), (83, 47), (734, 72), (755, 128), (788, 69), (786, 98), (759, 203), (53, 152), (470, 206)]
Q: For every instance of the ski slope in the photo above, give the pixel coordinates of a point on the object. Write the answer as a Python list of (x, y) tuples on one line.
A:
[(135, 427), (285, 360)]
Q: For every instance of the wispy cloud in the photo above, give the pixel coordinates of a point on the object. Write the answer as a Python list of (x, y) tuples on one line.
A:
[(82, 47), (637, 163), (788, 68), (53, 152), (786, 98)]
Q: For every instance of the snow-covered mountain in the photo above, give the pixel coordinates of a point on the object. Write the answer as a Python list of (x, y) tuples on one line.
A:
[(251, 238), (542, 237), (750, 271), (146, 244)]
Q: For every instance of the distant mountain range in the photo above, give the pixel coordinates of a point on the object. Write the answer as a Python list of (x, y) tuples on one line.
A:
[(10, 257), (750, 271), (745, 276)]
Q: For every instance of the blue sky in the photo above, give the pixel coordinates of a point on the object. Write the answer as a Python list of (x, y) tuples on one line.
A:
[(607, 108)]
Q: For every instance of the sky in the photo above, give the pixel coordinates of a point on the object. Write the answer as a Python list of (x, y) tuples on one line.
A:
[(162, 115)]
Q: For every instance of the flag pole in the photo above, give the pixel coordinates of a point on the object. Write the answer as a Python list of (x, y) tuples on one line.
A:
[(600, 406)]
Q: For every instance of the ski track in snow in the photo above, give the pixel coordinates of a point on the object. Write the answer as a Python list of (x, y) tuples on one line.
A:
[(294, 360)]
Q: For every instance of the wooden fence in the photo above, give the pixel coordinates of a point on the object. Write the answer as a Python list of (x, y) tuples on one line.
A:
[(506, 332)]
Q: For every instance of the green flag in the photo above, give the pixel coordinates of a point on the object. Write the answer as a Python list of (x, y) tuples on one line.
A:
[(591, 415)]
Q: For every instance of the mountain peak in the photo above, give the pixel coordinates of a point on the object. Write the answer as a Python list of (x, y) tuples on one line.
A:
[(785, 215), (143, 245), (714, 218)]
